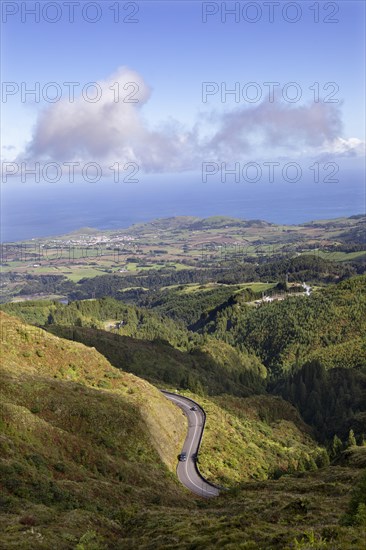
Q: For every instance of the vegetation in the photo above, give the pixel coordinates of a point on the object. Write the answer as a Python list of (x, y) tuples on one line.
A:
[(89, 446), (333, 401), (356, 513), (179, 251), (101, 313), (304, 344), (86, 455), (258, 437), (286, 334), (201, 370)]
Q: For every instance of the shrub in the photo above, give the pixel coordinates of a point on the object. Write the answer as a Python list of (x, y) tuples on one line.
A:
[(90, 541)]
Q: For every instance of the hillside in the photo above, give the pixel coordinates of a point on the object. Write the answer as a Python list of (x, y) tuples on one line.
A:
[(258, 437), (299, 348), (149, 345), (332, 401), (293, 513), (288, 333), (79, 435), (88, 455), (103, 313), (213, 368)]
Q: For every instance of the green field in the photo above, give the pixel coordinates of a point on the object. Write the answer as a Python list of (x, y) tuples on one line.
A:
[(342, 256)]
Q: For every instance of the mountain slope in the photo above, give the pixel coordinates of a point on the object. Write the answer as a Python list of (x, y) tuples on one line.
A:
[(29, 350), (86, 451), (285, 334), (213, 368), (257, 437), (149, 345), (80, 439)]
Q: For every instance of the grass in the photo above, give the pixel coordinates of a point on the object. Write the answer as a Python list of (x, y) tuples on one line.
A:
[(71, 271), (257, 437), (190, 288), (301, 512), (88, 454), (77, 273), (257, 287), (29, 351), (341, 256)]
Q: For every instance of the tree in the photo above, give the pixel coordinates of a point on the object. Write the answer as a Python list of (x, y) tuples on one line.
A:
[(351, 441), (322, 459), (336, 447)]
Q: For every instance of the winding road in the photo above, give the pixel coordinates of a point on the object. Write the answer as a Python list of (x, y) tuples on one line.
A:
[(187, 471)]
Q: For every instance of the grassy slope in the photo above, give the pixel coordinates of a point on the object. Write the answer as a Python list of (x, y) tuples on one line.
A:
[(254, 438), (162, 364), (80, 462), (31, 350), (80, 440), (270, 515)]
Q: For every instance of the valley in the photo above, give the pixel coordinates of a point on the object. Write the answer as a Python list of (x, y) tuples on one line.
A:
[(273, 370)]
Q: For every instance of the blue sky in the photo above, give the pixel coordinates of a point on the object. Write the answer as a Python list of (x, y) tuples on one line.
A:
[(173, 52)]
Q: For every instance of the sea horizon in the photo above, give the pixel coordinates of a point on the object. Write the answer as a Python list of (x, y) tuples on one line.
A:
[(42, 210)]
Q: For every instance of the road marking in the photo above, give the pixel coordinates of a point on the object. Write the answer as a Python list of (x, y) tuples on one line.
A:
[(182, 401)]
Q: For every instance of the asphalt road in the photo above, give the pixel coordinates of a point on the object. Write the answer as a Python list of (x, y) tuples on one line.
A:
[(187, 471)]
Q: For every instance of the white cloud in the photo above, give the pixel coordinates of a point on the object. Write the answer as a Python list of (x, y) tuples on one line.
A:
[(276, 126), (352, 147), (109, 131)]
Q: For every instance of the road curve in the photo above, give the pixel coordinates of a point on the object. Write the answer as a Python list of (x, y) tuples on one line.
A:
[(187, 471)]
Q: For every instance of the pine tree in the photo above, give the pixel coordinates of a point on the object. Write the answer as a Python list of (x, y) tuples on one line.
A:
[(311, 464), (336, 447), (322, 459), (351, 441)]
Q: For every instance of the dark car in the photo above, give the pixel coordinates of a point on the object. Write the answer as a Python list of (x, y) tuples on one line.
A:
[(183, 457), (194, 408), (195, 457)]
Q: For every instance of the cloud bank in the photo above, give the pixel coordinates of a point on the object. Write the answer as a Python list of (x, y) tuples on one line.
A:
[(113, 129)]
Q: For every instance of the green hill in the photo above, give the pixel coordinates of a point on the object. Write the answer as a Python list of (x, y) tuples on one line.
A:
[(258, 437), (288, 333), (88, 454), (149, 345), (78, 435), (212, 368), (101, 313)]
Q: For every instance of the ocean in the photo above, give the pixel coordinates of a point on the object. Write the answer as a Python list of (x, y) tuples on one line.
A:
[(32, 210)]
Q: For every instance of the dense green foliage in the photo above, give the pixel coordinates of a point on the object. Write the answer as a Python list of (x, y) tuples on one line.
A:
[(333, 401), (186, 306), (286, 334), (133, 321), (212, 368), (258, 437), (357, 508), (83, 448)]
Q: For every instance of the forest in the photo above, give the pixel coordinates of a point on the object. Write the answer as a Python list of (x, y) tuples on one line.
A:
[(311, 350), (138, 287)]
